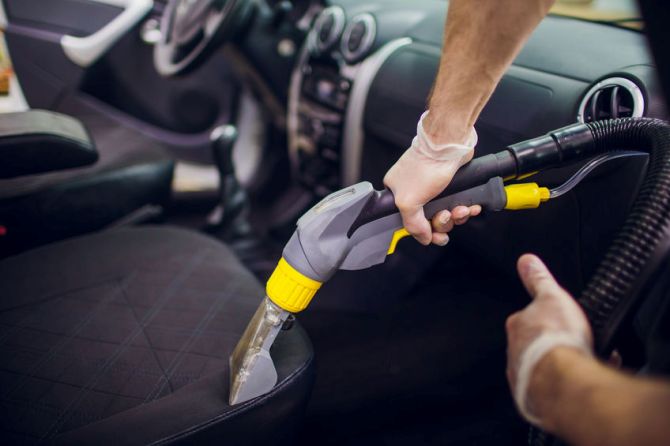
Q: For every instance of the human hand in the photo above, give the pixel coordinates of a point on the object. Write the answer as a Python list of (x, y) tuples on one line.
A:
[(421, 173), (553, 319)]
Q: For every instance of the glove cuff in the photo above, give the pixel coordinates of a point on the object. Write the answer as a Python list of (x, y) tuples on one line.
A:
[(531, 357), (443, 152)]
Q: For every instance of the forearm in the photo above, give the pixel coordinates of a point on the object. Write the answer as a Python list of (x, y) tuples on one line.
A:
[(481, 39), (588, 403)]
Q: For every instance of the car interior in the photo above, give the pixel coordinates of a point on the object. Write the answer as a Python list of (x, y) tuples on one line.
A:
[(157, 158)]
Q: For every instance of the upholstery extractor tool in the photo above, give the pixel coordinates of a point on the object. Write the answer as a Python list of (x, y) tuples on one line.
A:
[(358, 227)]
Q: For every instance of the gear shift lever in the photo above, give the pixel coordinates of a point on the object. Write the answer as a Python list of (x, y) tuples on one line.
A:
[(229, 221), (229, 218)]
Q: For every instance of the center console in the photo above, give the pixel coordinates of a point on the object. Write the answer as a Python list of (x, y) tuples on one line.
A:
[(322, 97)]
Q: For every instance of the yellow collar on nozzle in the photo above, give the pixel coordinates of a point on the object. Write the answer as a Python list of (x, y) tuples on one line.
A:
[(290, 289)]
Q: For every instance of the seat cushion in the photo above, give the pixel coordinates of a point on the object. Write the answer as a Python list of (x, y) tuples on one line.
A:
[(124, 336)]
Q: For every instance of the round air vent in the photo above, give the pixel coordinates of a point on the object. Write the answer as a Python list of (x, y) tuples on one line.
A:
[(358, 37), (616, 97), (328, 28)]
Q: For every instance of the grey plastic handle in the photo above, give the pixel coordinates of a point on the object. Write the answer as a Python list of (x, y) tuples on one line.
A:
[(490, 196), (370, 243), (321, 244)]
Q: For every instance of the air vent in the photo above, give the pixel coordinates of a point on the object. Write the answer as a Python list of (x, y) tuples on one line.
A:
[(358, 37), (616, 97), (328, 28)]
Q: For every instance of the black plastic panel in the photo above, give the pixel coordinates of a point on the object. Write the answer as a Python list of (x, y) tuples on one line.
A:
[(525, 104), (39, 141), (567, 47), (43, 68), (73, 17), (540, 92), (582, 50), (398, 95)]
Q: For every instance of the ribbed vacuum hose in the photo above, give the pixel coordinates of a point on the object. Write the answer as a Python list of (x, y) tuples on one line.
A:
[(645, 228), (611, 293)]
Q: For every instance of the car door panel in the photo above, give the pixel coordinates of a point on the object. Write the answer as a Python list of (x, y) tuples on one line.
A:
[(72, 17), (178, 112)]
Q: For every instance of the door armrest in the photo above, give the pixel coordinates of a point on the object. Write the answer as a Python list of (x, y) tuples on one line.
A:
[(39, 141)]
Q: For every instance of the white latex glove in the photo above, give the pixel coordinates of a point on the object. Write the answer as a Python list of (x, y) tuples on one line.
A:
[(553, 319), (421, 173)]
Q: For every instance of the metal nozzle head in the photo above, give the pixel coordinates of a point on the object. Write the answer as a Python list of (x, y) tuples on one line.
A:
[(252, 371)]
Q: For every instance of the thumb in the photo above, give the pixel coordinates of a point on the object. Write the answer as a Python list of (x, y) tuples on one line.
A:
[(535, 276)]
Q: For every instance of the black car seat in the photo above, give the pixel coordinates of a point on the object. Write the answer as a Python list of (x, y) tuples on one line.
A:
[(123, 336), (133, 172)]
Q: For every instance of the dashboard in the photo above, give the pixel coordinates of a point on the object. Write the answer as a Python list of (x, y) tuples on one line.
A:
[(366, 69), (322, 98), (362, 78)]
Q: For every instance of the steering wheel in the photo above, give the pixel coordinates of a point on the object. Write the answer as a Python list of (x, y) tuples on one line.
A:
[(193, 28)]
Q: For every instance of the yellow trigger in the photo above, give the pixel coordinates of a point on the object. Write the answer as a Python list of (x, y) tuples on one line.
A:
[(397, 236)]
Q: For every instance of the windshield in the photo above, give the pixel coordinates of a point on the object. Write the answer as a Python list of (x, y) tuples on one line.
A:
[(618, 12)]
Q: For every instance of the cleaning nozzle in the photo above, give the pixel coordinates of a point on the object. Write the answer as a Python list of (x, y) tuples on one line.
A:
[(252, 371)]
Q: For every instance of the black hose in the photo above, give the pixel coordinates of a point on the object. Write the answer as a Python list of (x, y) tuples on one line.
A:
[(617, 287), (615, 290)]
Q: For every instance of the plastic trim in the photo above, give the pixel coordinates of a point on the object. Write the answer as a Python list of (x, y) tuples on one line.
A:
[(366, 43), (628, 85), (84, 51), (338, 26), (352, 147), (292, 119)]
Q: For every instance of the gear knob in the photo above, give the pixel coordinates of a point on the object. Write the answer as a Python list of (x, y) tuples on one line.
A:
[(229, 217), (229, 220), (223, 140)]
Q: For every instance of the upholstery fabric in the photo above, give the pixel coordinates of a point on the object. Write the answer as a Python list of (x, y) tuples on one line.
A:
[(124, 336)]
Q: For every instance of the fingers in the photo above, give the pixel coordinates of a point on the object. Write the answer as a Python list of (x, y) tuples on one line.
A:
[(416, 224), (535, 275), (461, 214), (426, 232), (442, 222), (440, 238), (414, 180)]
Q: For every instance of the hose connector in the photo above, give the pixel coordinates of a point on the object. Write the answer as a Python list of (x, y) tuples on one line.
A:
[(554, 149), (525, 196)]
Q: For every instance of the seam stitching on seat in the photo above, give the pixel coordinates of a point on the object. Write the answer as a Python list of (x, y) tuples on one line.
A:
[(52, 298), (168, 294), (61, 294), (195, 334), (102, 341), (244, 408), (48, 356), (144, 334)]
